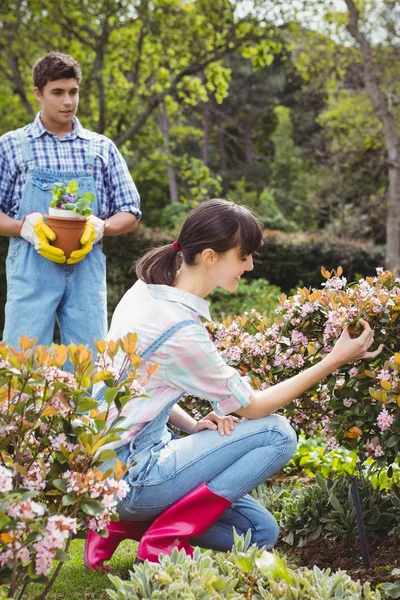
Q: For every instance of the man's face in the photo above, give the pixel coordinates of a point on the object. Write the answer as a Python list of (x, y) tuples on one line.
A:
[(59, 102)]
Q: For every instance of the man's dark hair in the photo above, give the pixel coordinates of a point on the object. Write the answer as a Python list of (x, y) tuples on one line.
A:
[(55, 66)]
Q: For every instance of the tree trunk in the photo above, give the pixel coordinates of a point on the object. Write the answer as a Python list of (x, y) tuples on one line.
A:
[(164, 126), (224, 164), (206, 129), (392, 139), (248, 141)]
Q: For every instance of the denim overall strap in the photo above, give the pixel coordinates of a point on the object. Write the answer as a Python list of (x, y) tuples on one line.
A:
[(154, 346), (26, 149), (90, 157)]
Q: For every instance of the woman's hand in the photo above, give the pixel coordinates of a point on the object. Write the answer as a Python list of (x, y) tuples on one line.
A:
[(212, 421), (348, 350)]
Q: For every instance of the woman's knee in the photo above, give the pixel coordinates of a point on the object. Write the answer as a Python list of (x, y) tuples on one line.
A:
[(285, 434)]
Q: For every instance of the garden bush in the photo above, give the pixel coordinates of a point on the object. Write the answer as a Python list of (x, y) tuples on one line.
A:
[(286, 260), (358, 406), (53, 444), (257, 294), (326, 509)]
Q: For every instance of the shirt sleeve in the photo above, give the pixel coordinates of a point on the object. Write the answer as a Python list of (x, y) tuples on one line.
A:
[(194, 366), (8, 173), (122, 194)]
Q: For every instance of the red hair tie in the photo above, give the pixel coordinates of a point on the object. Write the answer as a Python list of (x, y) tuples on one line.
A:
[(176, 246)]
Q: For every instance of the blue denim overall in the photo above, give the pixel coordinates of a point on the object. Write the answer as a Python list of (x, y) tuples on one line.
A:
[(39, 290), (162, 468)]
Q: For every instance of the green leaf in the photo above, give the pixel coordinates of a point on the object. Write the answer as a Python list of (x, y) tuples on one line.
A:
[(60, 484), (4, 519), (86, 405), (72, 187), (107, 455), (92, 507), (69, 499), (393, 441), (61, 555), (110, 395)]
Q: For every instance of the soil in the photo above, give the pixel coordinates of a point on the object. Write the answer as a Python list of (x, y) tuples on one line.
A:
[(384, 556)]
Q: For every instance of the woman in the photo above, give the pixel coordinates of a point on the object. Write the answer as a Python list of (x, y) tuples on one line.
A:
[(194, 490)]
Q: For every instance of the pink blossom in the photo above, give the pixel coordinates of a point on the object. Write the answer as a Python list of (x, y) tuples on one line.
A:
[(374, 451), (6, 483), (383, 375), (385, 420), (348, 402), (353, 372), (35, 477), (335, 283)]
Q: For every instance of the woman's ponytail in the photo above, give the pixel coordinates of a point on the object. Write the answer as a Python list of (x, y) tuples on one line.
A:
[(159, 265)]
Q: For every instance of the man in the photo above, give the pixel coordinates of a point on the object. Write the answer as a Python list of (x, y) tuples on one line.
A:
[(42, 285)]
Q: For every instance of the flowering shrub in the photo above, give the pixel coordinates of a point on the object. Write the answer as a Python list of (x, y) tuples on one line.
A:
[(52, 439), (358, 406)]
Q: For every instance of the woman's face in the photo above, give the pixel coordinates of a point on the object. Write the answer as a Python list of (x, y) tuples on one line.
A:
[(228, 269)]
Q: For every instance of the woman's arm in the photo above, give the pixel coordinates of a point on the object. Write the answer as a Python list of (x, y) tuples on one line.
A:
[(180, 419), (346, 350)]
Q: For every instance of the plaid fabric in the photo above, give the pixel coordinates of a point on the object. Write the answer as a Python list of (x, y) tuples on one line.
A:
[(188, 362), (115, 188)]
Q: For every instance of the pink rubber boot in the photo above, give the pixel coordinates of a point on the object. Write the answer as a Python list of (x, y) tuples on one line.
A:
[(189, 517), (99, 549)]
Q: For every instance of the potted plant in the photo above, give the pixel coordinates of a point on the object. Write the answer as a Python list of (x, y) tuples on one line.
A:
[(68, 213)]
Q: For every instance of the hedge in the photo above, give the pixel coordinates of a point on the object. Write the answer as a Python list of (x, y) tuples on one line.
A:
[(286, 260)]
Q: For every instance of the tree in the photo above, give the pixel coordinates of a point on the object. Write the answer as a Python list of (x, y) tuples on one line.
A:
[(382, 106)]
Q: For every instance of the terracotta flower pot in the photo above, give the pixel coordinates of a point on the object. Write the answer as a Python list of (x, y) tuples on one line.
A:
[(68, 231)]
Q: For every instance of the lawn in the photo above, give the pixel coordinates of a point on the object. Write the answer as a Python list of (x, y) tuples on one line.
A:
[(75, 582)]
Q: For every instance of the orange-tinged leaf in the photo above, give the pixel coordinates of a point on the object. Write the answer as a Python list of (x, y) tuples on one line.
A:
[(6, 538), (60, 355), (325, 273), (25, 342), (369, 373), (386, 385), (119, 469), (398, 401), (353, 433), (135, 361), (100, 345), (49, 411), (339, 271), (102, 376), (151, 369)]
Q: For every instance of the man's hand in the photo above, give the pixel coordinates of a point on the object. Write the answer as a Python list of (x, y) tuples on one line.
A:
[(212, 421), (35, 231), (93, 232)]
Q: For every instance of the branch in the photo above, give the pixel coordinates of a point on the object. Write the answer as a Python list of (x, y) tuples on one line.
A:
[(190, 70)]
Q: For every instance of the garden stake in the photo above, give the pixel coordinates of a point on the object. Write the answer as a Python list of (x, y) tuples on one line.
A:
[(360, 520)]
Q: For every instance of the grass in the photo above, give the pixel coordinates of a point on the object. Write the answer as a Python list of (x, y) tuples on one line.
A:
[(75, 582)]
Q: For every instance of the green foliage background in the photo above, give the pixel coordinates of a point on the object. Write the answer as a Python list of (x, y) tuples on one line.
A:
[(249, 104)]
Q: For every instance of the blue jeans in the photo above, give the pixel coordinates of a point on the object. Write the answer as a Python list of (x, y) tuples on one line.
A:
[(231, 466)]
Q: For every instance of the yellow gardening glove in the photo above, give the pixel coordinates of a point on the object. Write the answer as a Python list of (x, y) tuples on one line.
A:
[(35, 231), (87, 239)]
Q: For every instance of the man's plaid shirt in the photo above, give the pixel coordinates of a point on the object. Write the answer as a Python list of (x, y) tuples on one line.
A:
[(116, 191)]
